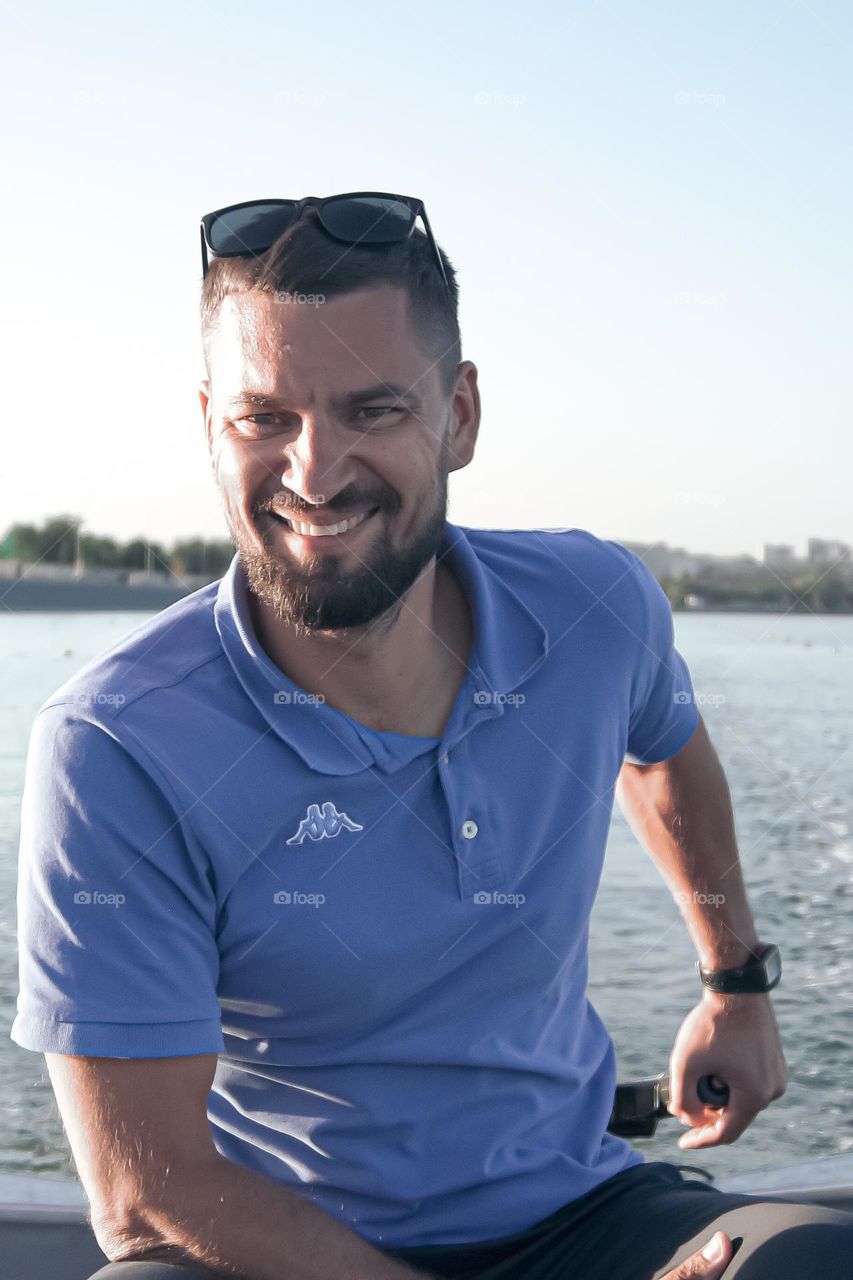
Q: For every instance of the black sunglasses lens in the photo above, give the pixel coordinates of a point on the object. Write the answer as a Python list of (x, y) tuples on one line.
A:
[(250, 230), (367, 219)]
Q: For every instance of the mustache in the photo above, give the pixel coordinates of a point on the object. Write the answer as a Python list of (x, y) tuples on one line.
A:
[(303, 511)]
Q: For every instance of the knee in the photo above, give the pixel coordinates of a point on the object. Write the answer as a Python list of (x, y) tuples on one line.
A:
[(788, 1241)]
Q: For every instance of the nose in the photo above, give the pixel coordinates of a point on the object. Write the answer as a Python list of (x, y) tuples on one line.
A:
[(317, 461)]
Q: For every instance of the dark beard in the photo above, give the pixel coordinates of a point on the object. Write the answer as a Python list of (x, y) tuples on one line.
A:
[(318, 595)]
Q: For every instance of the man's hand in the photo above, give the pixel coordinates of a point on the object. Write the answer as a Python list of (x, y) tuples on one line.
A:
[(735, 1037), (709, 1262)]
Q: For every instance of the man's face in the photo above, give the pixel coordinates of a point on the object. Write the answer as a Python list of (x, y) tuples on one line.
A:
[(352, 425)]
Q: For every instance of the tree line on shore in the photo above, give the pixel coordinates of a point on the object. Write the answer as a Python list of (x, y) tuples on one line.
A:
[(57, 541), (60, 540), (813, 590)]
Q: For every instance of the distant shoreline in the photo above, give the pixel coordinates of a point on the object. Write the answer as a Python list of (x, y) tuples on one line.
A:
[(25, 595), (37, 595)]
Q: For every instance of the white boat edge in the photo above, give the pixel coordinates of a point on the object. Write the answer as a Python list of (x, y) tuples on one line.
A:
[(26, 1197), (30, 1197), (827, 1180)]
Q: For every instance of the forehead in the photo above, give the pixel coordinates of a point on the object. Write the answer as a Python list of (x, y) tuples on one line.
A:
[(294, 346)]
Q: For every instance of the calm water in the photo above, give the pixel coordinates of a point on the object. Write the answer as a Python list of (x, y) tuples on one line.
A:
[(777, 695)]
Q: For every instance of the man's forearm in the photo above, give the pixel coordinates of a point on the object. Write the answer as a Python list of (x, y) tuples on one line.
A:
[(244, 1225), (681, 812)]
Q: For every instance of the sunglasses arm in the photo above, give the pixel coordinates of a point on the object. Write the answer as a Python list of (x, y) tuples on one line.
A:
[(431, 237)]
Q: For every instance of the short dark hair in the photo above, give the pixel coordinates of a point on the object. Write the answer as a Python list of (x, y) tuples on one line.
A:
[(304, 259)]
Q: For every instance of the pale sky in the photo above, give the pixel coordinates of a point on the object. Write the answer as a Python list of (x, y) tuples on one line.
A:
[(648, 204)]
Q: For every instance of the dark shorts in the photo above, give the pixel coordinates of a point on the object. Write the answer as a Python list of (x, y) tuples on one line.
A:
[(644, 1221), (635, 1226)]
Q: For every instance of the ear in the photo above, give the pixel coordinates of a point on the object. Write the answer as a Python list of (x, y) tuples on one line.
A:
[(465, 419)]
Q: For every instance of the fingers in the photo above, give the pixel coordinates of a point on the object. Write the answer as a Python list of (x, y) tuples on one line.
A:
[(684, 1097), (677, 1089), (726, 1126), (709, 1262)]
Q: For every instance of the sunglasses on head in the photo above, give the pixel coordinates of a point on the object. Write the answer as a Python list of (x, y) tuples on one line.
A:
[(357, 217)]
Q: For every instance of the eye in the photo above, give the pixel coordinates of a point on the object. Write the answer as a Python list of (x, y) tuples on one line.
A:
[(255, 423), (376, 412)]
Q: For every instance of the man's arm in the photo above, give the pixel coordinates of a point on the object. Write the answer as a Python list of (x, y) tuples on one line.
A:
[(158, 1188), (680, 810)]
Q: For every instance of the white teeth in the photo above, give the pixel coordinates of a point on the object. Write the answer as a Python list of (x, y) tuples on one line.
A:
[(326, 530)]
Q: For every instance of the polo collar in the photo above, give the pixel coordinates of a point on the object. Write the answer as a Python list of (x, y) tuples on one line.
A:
[(510, 644)]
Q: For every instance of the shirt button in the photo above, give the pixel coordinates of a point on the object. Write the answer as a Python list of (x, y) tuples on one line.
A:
[(469, 829), (446, 758)]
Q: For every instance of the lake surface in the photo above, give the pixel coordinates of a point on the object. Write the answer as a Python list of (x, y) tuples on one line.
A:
[(777, 695)]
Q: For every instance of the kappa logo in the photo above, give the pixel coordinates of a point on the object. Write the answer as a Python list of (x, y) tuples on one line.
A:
[(323, 822)]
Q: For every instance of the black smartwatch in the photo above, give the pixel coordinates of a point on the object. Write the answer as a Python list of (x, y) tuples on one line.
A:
[(761, 973)]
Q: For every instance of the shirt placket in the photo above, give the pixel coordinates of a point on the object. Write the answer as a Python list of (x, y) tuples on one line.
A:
[(472, 819)]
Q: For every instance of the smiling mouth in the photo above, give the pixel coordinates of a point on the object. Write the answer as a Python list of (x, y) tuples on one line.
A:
[(305, 530)]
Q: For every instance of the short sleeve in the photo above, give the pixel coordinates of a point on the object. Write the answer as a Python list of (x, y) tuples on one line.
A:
[(117, 942), (663, 715)]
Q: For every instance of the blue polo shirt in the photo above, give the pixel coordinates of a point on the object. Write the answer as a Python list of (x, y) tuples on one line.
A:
[(384, 937)]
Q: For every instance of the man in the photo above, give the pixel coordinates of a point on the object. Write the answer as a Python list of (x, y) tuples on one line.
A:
[(308, 859)]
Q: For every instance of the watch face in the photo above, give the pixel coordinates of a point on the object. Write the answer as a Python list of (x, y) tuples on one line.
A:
[(773, 965)]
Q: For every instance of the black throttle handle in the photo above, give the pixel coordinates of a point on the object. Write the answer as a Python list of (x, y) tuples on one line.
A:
[(712, 1091), (640, 1104)]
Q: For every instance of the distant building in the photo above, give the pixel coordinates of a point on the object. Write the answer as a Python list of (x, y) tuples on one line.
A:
[(827, 551), (778, 555), (676, 562), (720, 567), (664, 561)]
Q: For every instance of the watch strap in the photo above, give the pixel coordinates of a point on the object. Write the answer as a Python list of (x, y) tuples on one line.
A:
[(759, 974)]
